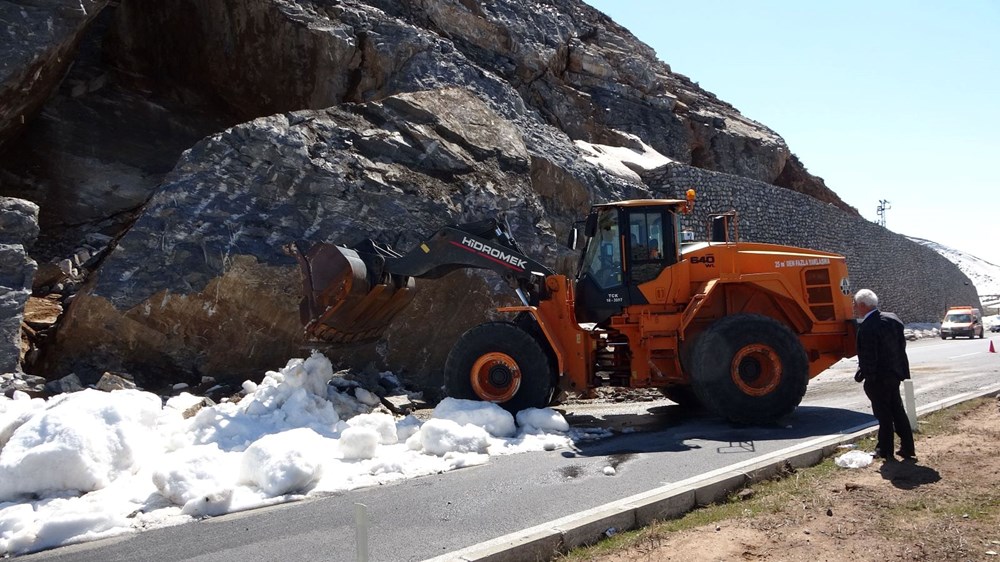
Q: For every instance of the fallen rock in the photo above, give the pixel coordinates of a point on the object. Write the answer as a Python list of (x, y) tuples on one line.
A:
[(42, 313), (191, 411), (112, 381), (48, 276), (69, 383), (399, 404), (32, 385)]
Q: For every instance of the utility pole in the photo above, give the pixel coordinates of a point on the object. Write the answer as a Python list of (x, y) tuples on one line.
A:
[(883, 206)]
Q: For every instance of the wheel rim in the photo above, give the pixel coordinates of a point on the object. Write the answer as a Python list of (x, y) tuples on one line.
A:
[(756, 370), (495, 377)]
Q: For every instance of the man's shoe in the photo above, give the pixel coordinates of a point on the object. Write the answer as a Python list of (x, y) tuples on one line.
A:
[(907, 454), (879, 455)]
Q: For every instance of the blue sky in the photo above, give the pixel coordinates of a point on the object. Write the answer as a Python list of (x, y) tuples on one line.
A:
[(884, 100)]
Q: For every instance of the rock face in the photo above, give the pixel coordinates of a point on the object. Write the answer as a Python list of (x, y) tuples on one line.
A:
[(569, 64), (97, 150), (18, 230), (191, 140), (41, 36)]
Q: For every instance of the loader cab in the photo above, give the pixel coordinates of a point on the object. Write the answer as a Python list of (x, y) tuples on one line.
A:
[(628, 243)]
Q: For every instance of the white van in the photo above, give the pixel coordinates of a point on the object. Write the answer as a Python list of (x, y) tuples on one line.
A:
[(962, 321)]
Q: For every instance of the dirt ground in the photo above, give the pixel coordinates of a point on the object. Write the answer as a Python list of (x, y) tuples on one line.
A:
[(943, 507)]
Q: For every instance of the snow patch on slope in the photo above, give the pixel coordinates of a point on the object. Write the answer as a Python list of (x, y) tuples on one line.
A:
[(983, 274)]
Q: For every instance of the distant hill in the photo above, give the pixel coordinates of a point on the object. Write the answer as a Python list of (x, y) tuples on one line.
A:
[(985, 275)]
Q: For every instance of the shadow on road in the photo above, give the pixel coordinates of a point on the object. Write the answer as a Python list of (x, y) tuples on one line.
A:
[(651, 419), (671, 428)]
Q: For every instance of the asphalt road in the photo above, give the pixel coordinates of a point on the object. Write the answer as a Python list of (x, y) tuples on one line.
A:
[(426, 517)]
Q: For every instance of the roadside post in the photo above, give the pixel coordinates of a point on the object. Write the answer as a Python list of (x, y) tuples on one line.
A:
[(361, 531), (911, 404)]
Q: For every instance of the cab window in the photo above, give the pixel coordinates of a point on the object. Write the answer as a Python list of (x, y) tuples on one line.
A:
[(650, 244), (603, 260)]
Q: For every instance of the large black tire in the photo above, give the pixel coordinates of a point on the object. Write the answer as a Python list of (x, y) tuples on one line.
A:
[(501, 363), (749, 369), (526, 321), (685, 396)]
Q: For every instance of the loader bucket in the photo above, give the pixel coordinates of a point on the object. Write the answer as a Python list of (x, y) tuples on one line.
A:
[(347, 299)]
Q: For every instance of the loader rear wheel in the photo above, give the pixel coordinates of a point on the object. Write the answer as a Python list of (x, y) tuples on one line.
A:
[(749, 369), (501, 363)]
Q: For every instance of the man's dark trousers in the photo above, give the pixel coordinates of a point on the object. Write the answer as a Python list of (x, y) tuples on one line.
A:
[(891, 415)]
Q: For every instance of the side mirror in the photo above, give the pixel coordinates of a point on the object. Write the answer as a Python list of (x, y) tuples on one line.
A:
[(574, 236)]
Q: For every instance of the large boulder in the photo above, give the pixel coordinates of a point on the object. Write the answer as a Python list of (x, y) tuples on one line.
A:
[(18, 230), (200, 284)]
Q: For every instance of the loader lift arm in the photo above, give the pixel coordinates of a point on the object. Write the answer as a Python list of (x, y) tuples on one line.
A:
[(351, 295)]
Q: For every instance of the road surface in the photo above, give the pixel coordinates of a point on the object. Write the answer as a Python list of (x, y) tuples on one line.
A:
[(426, 517)]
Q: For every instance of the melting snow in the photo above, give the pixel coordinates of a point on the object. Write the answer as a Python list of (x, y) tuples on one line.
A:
[(87, 465)]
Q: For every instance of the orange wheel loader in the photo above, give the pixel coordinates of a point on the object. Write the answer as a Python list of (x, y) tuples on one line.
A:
[(738, 328)]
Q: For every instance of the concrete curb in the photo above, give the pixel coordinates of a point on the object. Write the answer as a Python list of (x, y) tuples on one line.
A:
[(545, 541)]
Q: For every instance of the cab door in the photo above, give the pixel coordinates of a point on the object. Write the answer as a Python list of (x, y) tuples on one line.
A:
[(651, 248), (600, 287)]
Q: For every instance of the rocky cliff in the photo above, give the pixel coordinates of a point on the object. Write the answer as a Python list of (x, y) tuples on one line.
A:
[(191, 139)]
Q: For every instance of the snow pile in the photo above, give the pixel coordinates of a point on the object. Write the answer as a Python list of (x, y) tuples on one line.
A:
[(918, 331), (93, 437), (91, 464)]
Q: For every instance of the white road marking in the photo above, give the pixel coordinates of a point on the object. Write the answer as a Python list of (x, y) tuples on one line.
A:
[(966, 355)]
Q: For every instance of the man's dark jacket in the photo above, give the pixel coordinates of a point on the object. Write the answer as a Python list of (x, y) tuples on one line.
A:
[(882, 348)]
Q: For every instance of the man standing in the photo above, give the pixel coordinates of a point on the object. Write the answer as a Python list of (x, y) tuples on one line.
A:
[(882, 365)]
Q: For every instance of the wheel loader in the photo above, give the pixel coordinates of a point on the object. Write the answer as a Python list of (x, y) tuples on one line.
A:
[(735, 327)]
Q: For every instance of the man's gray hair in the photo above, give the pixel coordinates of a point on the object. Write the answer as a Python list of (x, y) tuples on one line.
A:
[(866, 297)]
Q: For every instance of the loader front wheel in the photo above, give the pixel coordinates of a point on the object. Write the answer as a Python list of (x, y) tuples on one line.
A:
[(500, 363), (749, 369)]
